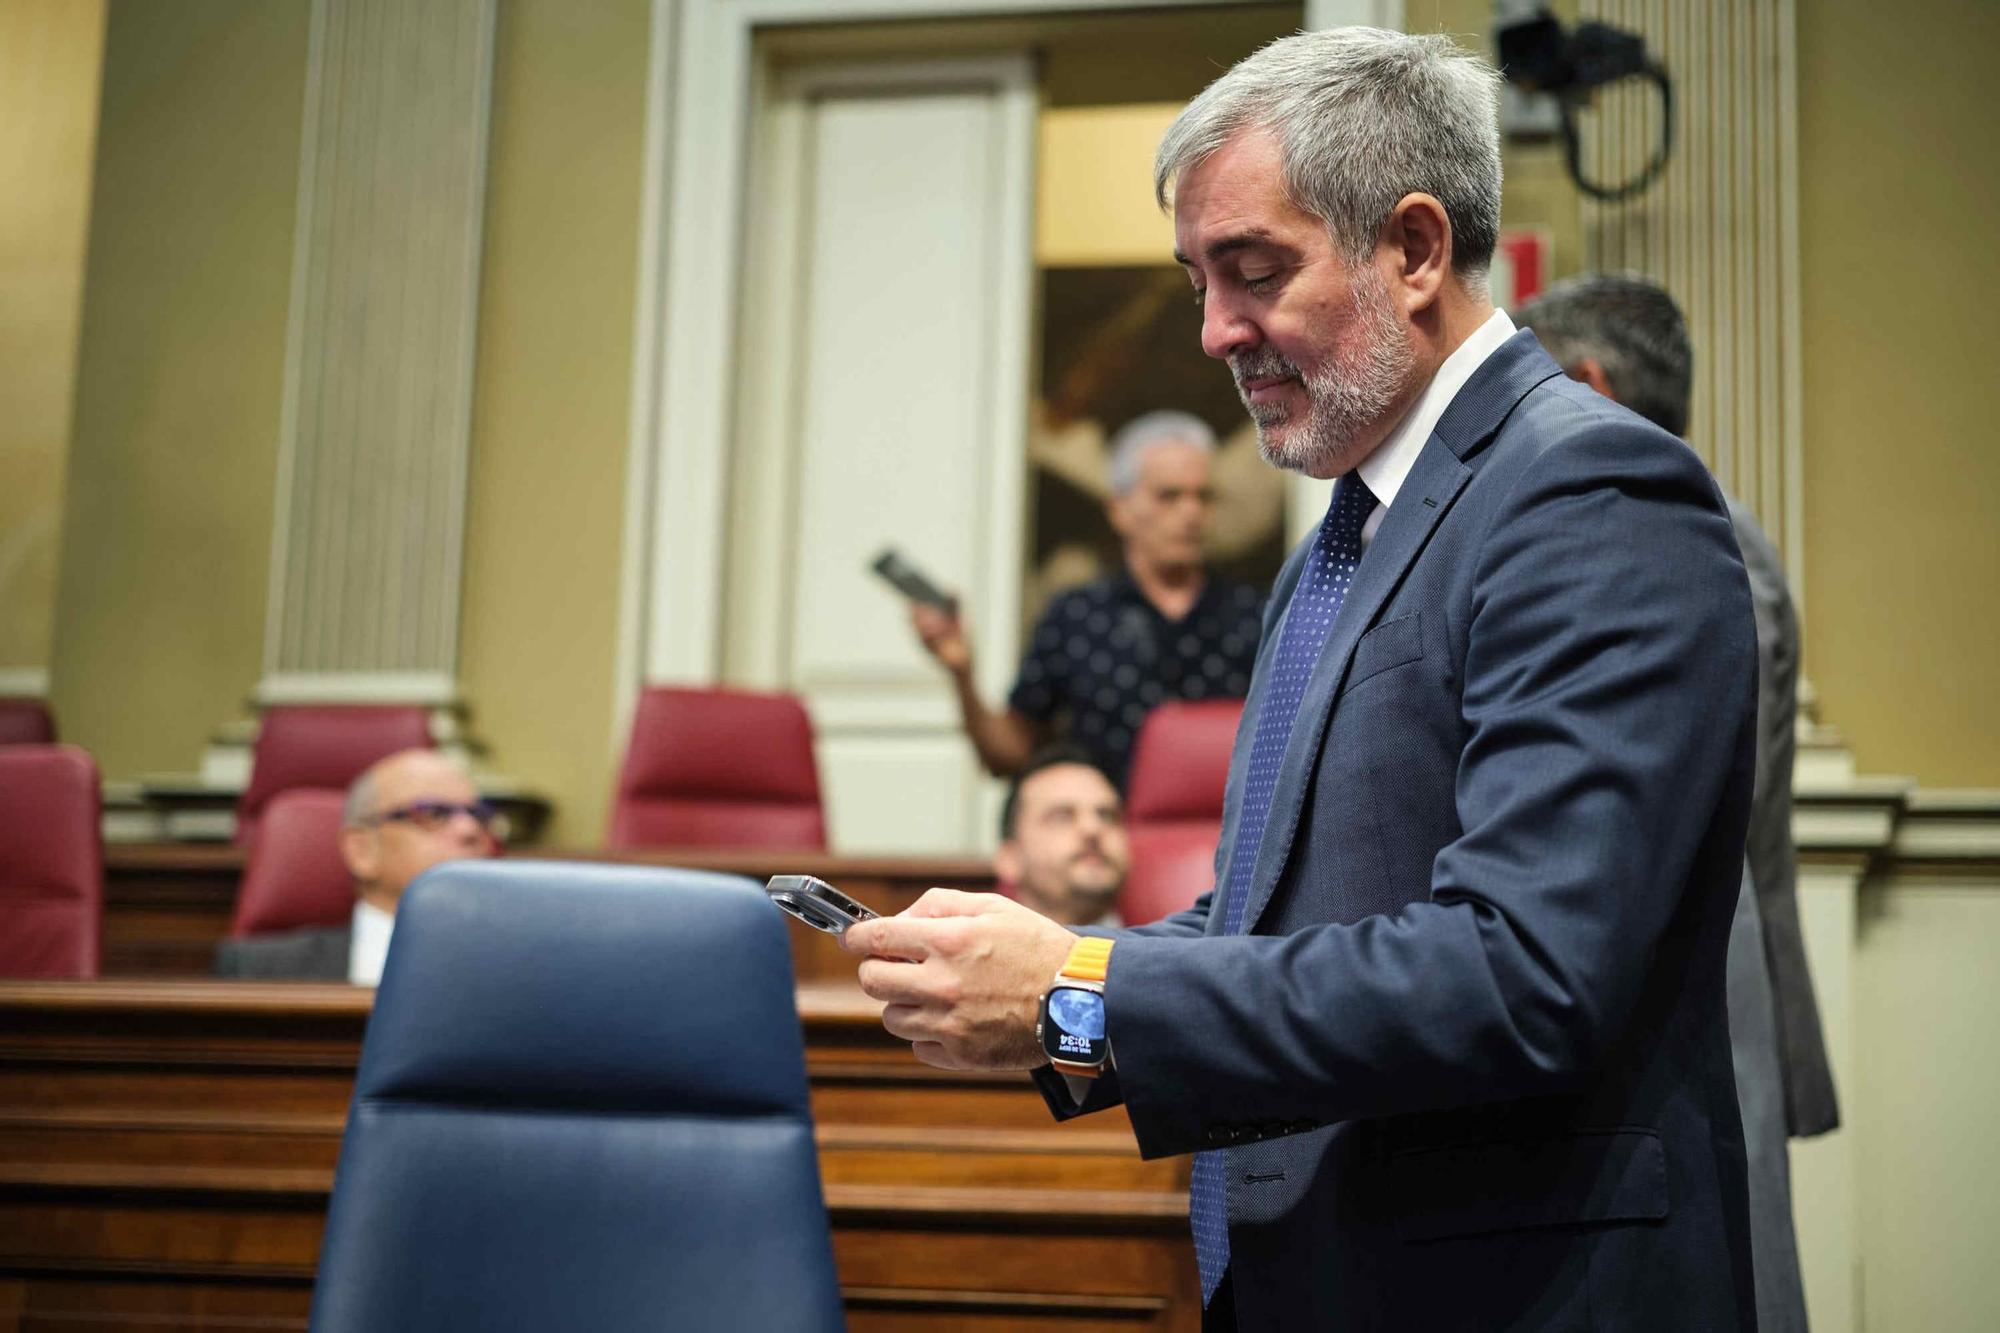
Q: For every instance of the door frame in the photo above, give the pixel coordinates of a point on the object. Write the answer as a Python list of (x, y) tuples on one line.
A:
[(700, 86)]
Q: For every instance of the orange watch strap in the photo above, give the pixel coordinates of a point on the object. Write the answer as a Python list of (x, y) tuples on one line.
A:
[(1088, 960)]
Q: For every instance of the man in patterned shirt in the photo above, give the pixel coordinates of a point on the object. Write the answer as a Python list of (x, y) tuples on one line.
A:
[(1105, 653)]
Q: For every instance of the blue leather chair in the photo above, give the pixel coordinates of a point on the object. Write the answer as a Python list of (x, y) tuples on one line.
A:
[(581, 1105)]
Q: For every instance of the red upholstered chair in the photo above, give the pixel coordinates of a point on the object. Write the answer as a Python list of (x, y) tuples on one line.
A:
[(294, 876), (26, 722), (324, 746), (51, 862), (1173, 806), (718, 768)]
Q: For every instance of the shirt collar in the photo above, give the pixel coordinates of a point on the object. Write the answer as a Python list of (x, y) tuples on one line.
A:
[(368, 949), (1127, 588), (1385, 468)]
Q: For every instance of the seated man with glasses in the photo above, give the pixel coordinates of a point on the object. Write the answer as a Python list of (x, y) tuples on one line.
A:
[(407, 813)]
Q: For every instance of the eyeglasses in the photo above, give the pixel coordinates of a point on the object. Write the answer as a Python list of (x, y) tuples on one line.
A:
[(430, 816)]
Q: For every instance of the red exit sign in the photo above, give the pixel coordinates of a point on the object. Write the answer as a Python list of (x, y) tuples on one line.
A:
[(1520, 267)]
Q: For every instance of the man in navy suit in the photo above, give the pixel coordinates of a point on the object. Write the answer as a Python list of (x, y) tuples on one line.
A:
[(1448, 1037)]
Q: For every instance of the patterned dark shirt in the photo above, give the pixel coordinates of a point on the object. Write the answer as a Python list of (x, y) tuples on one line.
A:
[(1102, 656)]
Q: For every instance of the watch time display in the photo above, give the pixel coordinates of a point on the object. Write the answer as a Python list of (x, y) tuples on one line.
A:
[(1074, 1032)]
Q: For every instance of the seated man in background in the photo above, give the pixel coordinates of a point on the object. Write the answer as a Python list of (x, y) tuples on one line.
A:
[(406, 813), (1625, 338), (1104, 654), (1063, 849)]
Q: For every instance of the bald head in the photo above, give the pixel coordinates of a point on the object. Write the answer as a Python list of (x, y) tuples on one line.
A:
[(408, 812)]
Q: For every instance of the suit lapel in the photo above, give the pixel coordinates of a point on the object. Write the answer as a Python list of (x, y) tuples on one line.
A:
[(1441, 471), (1434, 482)]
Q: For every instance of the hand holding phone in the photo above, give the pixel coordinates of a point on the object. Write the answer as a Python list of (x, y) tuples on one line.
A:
[(909, 581), (817, 903)]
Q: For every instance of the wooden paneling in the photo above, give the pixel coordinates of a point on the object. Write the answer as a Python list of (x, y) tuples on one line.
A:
[(167, 905), (167, 1149)]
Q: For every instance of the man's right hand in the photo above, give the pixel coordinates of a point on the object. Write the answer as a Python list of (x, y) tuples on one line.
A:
[(943, 637)]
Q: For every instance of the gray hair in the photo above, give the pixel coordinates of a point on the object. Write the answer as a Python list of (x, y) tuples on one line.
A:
[(359, 807), (1362, 117), (360, 804), (1632, 329), (1148, 432)]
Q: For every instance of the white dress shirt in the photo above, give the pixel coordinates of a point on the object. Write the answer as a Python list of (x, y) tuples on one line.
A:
[(369, 947), (1385, 469)]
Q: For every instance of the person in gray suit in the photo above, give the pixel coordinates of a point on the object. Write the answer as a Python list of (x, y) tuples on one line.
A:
[(406, 813), (1625, 338)]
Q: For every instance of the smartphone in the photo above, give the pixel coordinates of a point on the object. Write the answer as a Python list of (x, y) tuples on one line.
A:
[(817, 903), (913, 585)]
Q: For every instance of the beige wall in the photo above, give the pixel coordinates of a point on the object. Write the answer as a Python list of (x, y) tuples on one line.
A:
[(167, 518), (1094, 189), (552, 385), (1898, 191), (50, 52), (180, 366), (1928, 1173), (168, 525)]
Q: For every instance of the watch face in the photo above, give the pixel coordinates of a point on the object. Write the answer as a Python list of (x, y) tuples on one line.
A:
[(1074, 1032)]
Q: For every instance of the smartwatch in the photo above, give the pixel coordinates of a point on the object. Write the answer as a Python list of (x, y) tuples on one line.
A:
[(1071, 1028)]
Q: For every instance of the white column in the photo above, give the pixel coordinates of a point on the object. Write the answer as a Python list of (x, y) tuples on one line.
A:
[(1719, 230), (369, 528)]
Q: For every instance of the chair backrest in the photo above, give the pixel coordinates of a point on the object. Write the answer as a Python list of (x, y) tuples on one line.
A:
[(51, 862), (1173, 805), (26, 722), (322, 746), (718, 768), (581, 1104), (295, 876)]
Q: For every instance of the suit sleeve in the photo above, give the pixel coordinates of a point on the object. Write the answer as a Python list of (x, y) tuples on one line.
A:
[(1607, 695), (1105, 1093), (1811, 1104)]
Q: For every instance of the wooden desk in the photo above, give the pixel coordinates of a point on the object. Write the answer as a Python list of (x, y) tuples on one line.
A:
[(167, 905), (167, 1149)]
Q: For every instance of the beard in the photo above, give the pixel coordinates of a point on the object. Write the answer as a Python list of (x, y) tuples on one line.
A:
[(1346, 398)]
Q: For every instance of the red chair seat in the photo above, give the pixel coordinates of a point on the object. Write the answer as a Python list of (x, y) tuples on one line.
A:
[(1172, 865), (26, 722), (294, 876), (718, 768), (1173, 808), (325, 746), (51, 862)]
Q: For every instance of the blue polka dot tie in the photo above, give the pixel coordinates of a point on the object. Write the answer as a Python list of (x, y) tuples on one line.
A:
[(1322, 587)]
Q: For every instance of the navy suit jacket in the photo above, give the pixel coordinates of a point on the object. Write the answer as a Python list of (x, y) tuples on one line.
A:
[(1470, 1059)]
